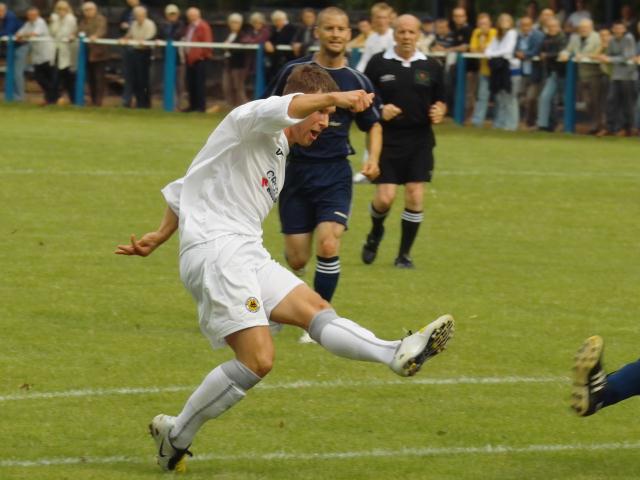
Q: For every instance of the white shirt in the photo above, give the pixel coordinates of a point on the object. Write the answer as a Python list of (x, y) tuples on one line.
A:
[(504, 48), (236, 178), (41, 52), (375, 43)]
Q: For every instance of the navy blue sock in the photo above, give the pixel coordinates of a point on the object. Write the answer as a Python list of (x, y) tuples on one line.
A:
[(622, 384), (327, 275)]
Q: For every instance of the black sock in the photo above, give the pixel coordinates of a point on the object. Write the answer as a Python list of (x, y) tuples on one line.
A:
[(377, 221), (411, 221), (327, 276)]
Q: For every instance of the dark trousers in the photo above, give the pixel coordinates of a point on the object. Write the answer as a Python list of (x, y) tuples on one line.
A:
[(97, 81), (64, 79), (141, 86), (622, 102), (128, 61), (196, 81), (43, 73), (589, 92)]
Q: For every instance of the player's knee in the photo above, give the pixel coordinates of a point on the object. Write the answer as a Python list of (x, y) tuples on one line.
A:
[(328, 246), (384, 201), (261, 363), (297, 262)]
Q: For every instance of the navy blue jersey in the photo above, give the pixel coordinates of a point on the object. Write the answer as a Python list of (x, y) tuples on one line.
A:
[(333, 142)]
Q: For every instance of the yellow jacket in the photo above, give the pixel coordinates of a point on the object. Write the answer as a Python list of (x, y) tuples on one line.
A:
[(478, 44)]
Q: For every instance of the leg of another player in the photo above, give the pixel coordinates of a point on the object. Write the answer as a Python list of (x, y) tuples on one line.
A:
[(412, 217), (226, 384), (297, 251), (378, 209), (328, 235), (304, 308), (623, 384)]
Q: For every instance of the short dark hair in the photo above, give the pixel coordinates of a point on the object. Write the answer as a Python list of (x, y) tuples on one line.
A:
[(310, 78)]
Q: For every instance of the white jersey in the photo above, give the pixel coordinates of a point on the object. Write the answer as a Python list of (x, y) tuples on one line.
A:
[(375, 43), (235, 179)]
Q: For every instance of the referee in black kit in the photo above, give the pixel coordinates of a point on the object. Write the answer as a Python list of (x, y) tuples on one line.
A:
[(411, 87)]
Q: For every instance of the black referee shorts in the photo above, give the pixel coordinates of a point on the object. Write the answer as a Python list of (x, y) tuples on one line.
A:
[(409, 161)]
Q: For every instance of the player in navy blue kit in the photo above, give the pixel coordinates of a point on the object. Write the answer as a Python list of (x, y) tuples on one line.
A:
[(316, 196), (594, 389), (411, 88)]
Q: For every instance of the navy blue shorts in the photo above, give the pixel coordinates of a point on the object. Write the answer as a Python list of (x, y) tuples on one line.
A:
[(314, 193)]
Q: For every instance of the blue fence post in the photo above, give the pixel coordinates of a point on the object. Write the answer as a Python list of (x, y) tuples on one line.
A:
[(260, 83), (354, 58), (169, 76), (81, 70), (461, 88), (570, 97), (9, 74)]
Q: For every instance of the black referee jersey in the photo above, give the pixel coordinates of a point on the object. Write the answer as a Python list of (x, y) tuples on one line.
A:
[(413, 86)]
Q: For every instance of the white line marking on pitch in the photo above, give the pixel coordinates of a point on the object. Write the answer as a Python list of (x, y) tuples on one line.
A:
[(376, 453), (101, 392), (462, 173)]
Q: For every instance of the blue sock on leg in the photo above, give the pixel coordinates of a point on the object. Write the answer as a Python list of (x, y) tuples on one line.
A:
[(622, 384), (327, 275)]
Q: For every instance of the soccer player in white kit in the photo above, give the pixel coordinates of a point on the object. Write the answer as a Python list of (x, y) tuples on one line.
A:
[(219, 207)]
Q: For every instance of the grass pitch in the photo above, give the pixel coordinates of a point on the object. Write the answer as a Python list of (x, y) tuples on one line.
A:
[(530, 241)]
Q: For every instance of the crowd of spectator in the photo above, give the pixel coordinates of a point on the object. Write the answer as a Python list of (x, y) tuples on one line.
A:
[(516, 80)]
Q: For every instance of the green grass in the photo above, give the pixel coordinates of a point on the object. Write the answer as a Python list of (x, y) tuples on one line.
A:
[(530, 240)]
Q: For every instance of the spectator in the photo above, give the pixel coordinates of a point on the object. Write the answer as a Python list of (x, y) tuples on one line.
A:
[(42, 53), (461, 32), (505, 74), (606, 69), (141, 30), (622, 95), (427, 36), (305, 36), (443, 37), (558, 10), (481, 37), (381, 39), (126, 20), (626, 17), (528, 47), (9, 25), (282, 33), (543, 19), (235, 65), (259, 32), (364, 29), (94, 26), (552, 74), (64, 27), (172, 27), (196, 57), (579, 14), (638, 83), (582, 45), (532, 10)]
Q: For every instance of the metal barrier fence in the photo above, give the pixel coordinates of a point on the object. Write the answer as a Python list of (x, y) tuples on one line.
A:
[(170, 68)]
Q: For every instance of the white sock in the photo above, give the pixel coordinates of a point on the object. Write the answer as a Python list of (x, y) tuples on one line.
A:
[(225, 386), (347, 339)]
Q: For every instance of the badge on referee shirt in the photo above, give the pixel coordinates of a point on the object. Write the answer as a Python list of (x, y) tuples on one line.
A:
[(422, 77)]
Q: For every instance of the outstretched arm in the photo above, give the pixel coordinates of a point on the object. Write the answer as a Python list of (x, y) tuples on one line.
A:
[(304, 105), (152, 240)]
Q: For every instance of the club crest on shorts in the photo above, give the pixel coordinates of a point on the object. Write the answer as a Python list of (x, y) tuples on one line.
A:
[(252, 304)]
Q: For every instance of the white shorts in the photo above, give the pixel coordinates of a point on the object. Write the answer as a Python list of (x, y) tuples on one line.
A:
[(236, 285)]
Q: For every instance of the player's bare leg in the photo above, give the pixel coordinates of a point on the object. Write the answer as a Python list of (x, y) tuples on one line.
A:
[(378, 209), (297, 251), (412, 217), (221, 389), (304, 308)]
